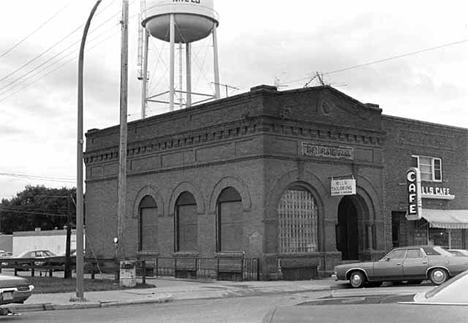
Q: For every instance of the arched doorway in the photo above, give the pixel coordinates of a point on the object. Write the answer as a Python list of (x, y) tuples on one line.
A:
[(347, 230)]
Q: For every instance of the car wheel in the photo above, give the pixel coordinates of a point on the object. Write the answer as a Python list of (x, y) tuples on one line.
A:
[(357, 279), (438, 276)]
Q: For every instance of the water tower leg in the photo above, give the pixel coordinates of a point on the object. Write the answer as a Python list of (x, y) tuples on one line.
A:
[(144, 85), (172, 63), (189, 74), (216, 64)]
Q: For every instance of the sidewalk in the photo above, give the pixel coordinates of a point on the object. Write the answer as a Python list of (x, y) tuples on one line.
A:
[(169, 289)]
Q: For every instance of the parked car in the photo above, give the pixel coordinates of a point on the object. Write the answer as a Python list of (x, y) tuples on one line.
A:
[(459, 252), (412, 264), (42, 256), (14, 289)]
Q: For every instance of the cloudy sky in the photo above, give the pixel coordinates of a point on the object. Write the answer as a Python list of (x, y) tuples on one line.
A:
[(410, 57)]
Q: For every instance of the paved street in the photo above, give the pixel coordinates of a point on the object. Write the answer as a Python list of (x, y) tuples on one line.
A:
[(226, 310), (239, 302)]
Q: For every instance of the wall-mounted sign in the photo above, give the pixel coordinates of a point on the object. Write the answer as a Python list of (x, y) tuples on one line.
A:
[(343, 187), (413, 185), (440, 193), (315, 150)]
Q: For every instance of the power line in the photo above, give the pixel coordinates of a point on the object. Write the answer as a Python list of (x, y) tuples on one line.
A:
[(51, 59), (381, 60), (45, 178), (54, 63), (34, 31), (396, 57), (15, 210), (47, 50), (58, 67)]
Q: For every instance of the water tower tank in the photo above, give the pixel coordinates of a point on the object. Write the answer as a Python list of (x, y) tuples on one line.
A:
[(194, 19)]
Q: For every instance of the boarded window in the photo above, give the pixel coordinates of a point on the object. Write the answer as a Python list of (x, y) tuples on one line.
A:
[(298, 221), (148, 225), (230, 221), (186, 223)]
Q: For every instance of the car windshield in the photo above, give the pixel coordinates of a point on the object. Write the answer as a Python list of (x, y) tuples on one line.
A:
[(23, 254)]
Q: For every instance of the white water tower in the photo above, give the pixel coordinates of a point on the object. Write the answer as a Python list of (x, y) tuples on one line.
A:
[(179, 22)]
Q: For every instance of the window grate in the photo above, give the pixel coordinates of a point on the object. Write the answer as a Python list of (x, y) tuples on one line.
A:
[(298, 222)]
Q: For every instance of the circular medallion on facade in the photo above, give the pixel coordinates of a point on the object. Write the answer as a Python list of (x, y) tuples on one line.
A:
[(326, 106)]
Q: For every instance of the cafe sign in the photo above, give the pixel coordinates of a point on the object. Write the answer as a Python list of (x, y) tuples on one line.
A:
[(413, 188), (343, 187)]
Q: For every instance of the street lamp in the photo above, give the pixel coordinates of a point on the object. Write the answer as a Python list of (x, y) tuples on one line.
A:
[(79, 166)]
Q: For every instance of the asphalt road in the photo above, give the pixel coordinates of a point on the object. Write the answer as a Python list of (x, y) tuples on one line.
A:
[(381, 313), (226, 310), (262, 308)]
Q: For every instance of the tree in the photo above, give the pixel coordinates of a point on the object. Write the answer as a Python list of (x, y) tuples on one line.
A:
[(37, 207)]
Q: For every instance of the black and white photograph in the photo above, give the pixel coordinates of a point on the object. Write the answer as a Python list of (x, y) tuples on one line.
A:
[(233, 161)]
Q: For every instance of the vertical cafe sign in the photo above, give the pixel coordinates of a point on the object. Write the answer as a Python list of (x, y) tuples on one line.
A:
[(413, 187)]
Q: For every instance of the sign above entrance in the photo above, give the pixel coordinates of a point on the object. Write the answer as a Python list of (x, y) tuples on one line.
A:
[(338, 152), (343, 187), (413, 187)]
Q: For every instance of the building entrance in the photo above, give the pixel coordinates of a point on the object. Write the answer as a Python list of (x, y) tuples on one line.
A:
[(347, 230)]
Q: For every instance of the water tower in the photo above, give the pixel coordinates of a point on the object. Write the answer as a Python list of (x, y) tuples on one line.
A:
[(179, 22)]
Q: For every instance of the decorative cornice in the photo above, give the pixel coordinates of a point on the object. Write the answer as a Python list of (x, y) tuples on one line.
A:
[(240, 128)]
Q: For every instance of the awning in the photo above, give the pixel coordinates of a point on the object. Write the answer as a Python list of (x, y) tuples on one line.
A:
[(446, 219)]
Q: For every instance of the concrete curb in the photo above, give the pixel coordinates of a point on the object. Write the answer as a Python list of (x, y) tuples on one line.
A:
[(265, 290), (85, 305)]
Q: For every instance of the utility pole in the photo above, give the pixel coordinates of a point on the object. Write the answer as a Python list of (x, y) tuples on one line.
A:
[(122, 190), (79, 166), (67, 273)]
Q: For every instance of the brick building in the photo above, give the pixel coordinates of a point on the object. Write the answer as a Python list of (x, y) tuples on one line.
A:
[(253, 175)]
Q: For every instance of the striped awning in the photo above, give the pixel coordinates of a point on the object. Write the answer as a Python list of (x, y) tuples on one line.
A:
[(446, 219)]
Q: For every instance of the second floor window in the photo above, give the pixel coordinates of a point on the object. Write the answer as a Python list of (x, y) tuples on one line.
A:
[(429, 167)]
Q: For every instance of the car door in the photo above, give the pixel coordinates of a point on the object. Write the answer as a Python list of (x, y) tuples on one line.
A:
[(390, 267), (415, 264)]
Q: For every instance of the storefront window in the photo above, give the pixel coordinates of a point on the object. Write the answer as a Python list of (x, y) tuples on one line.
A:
[(298, 221), (438, 237)]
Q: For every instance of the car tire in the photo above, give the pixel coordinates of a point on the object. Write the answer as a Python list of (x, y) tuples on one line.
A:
[(357, 279), (438, 276)]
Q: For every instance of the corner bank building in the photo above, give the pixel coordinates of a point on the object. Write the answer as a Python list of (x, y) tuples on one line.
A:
[(300, 180)]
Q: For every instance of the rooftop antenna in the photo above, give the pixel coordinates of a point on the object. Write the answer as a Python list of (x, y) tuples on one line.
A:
[(318, 76), (226, 86), (277, 83)]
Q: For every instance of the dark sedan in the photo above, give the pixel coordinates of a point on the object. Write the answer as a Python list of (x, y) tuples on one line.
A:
[(413, 264), (14, 289)]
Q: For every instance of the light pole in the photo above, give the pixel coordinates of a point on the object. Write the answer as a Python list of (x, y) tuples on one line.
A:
[(79, 166)]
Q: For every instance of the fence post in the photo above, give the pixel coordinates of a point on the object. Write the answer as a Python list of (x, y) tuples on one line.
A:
[(258, 269), (242, 268), (157, 267), (143, 275)]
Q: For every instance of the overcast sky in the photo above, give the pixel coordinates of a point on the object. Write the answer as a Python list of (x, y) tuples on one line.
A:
[(410, 57)]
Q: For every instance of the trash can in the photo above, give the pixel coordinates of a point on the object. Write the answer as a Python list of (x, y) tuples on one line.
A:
[(128, 273)]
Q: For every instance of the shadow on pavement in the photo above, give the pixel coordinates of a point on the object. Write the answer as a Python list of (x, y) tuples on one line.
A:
[(374, 299)]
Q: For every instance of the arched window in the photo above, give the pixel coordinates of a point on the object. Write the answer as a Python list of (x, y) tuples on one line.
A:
[(297, 221), (186, 223), (148, 225), (229, 221)]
